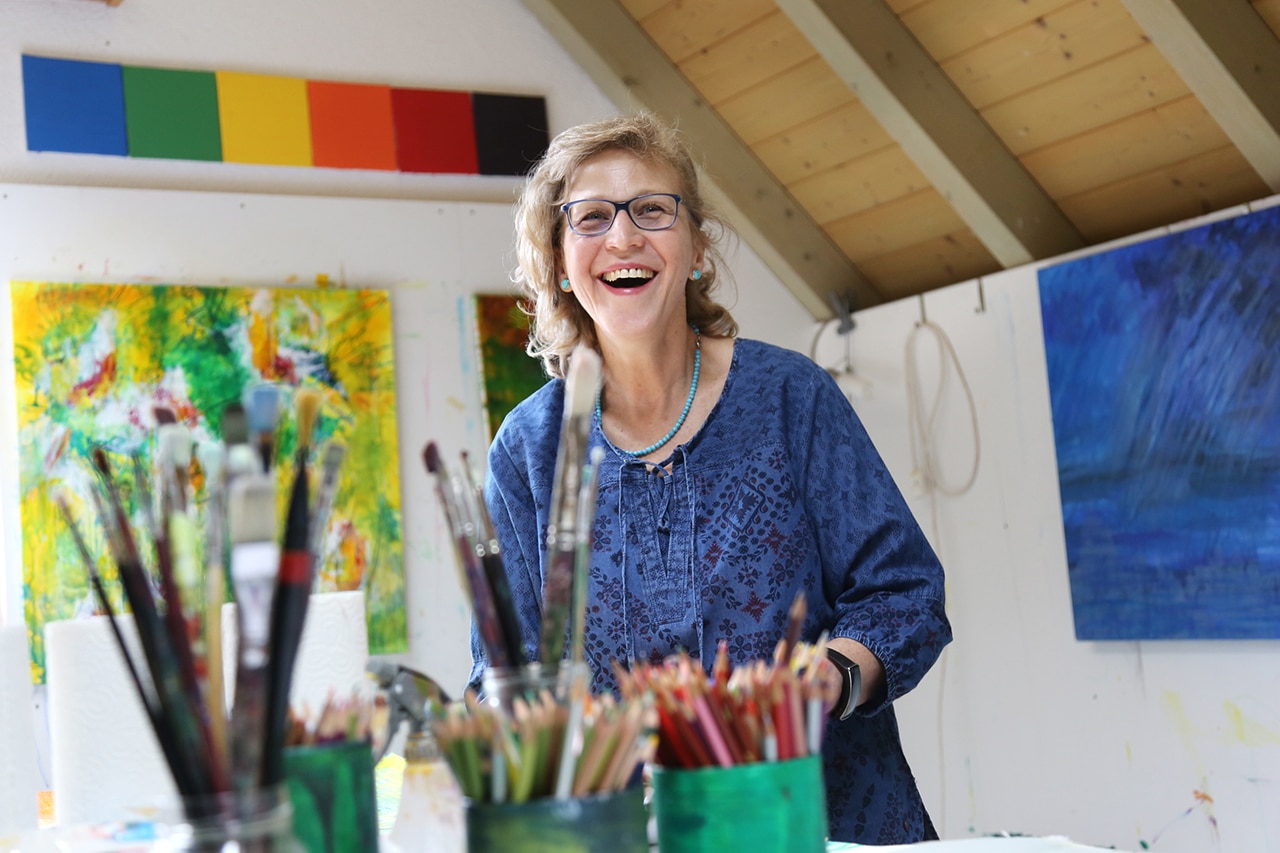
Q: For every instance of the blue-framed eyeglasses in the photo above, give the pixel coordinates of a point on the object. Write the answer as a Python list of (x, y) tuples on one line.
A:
[(591, 217)]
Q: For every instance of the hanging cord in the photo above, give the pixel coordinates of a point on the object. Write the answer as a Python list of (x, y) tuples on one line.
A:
[(924, 422), (924, 456)]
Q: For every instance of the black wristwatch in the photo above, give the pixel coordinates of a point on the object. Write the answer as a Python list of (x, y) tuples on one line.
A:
[(850, 685)]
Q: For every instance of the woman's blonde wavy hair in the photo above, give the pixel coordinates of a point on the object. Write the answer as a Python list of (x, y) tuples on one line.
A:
[(559, 322)]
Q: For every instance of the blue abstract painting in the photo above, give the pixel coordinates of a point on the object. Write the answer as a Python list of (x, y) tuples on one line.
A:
[(1164, 379)]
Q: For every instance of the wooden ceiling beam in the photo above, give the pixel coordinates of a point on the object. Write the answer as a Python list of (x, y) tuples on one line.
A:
[(1230, 59), (619, 56), (917, 104)]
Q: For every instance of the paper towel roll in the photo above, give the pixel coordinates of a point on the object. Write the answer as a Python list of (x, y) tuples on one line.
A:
[(105, 755), (19, 776), (334, 651)]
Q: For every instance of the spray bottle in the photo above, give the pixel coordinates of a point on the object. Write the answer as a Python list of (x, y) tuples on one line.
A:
[(431, 817)]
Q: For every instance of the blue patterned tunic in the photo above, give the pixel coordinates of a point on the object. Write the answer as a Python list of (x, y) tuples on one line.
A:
[(780, 490)]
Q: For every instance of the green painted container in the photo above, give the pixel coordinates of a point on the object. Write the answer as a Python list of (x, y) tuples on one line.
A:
[(335, 808), (769, 806), (603, 823)]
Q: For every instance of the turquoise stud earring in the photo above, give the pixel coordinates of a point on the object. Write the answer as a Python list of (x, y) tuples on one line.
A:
[(695, 275), (564, 285)]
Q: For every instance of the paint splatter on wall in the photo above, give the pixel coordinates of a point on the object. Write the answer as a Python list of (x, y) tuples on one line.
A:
[(93, 361)]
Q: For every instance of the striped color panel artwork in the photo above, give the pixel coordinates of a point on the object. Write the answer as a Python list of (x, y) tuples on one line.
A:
[(79, 107)]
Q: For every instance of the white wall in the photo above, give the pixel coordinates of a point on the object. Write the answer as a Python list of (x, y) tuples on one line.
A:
[(432, 240), (1021, 728)]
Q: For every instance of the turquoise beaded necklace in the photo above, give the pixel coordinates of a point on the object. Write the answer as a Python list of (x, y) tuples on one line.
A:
[(693, 389)]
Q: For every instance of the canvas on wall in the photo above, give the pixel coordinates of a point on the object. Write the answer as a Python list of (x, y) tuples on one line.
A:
[(508, 373), (1165, 391), (92, 364)]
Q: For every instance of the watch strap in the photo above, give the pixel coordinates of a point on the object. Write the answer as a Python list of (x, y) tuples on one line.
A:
[(850, 684)]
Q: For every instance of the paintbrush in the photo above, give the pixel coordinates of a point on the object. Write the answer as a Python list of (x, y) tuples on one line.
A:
[(262, 407), (293, 591), (582, 567), (212, 457), (160, 724), (452, 497), (329, 469), (581, 385), (184, 595), (490, 554), (582, 551), (255, 559), (162, 660)]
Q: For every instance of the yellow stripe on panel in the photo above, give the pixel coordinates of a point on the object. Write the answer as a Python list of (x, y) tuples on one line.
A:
[(265, 119)]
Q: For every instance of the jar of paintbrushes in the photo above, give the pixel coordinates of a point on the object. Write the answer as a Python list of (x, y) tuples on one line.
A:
[(543, 764), (227, 763), (258, 821)]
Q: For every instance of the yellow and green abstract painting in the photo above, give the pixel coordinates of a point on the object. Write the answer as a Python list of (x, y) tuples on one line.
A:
[(93, 363)]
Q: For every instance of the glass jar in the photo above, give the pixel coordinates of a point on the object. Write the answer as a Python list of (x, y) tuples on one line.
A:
[(258, 821), (500, 687)]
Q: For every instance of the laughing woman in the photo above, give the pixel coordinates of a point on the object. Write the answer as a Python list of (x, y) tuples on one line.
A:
[(735, 474)]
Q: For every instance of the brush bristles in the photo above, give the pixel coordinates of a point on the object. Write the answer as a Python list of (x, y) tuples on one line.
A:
[(262, 407), (307, 406), (235, 425), (582, 382), (431, 458)]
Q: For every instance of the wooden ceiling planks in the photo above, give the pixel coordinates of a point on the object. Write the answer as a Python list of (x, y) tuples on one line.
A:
[(1073, 89), (1212, 181), (774, 106), (751, 55), (1153, 139), (811, 148), (856, 185), (1270, 12), (683, 30), (1046, 49), (1231, 61), (937, 262), (946, 28), (1126, 85)]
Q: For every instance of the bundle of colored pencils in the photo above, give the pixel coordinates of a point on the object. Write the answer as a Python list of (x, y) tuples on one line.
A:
[(539, 750), (208, 750), (761, 711), (355, 718)]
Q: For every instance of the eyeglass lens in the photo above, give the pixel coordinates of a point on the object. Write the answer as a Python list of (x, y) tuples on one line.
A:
[(652, 212)]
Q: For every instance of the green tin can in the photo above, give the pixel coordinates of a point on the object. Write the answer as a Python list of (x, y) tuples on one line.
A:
[(335, 807), (603, 823), (768, 806)]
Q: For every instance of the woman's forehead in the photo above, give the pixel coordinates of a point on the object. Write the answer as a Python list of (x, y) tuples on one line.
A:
[(609, 173)]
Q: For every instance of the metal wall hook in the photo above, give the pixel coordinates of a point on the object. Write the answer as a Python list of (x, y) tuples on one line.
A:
[(982, 300), (924, 317)]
